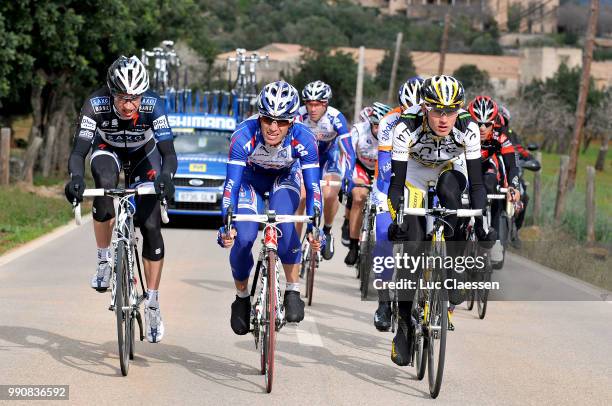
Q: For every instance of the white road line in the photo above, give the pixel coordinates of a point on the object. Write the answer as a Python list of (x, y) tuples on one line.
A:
[(308, 333), (40, 241)]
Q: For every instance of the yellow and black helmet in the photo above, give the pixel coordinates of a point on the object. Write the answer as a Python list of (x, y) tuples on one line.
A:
[(443, 93)]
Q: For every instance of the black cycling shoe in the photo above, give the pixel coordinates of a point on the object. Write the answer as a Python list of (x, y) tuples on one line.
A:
[(328, 251), (401, 347), (382, 316), (241, 313), (353, 254), (294, 307), (346, 238)]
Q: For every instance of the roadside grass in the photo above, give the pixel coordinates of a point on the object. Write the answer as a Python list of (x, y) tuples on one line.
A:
[(29, 212)]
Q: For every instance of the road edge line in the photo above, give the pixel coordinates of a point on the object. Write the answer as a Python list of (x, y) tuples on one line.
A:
[(36, 243)]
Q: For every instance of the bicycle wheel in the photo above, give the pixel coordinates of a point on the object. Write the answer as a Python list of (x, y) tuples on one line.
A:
[(270, 323), (420, 338), (312, 266), (438, 327), (504, 232), (366, 265), (123, 316), (483, 294), (305, 262)]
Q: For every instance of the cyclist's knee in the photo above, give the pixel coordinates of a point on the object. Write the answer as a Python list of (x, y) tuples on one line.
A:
[(490, 181), (103, 209), (359, 196), (449, 190)]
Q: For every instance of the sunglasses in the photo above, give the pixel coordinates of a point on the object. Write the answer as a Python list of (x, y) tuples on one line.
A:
[(126, 97), (439, 112), (487, 124), (269, 120)]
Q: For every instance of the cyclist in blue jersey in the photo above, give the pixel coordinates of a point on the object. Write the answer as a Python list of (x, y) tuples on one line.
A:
[(126, 125), (270, 152), (333, 138)]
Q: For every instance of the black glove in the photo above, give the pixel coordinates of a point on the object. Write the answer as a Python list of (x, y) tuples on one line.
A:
[(164, 186), (486, 240), (396, 232), (74, 189)]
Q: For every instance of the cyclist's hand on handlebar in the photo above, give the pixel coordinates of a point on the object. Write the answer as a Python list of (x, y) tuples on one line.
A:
[(319, 244), (225, 239), (486, 240), (515, 195), (164, 186), (74, 189)]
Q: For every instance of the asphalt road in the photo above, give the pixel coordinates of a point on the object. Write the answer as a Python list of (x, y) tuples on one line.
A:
[(54, 329)]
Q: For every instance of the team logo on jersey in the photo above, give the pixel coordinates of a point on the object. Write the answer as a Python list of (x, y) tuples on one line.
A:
[(160, 123), (100, 104), (282, 153), (114, 122), (147, 104), (86, 134), (88, 124), (104, 124)]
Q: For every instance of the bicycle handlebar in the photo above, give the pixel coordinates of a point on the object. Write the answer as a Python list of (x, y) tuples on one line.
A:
[(442, 212), (141, 191)]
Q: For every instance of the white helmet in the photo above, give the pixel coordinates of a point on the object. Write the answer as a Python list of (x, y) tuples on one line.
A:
[(410, 92), (278, 100), (317, 91), (128, 76)]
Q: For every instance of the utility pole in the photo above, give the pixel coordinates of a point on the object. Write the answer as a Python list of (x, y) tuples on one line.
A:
[(398, 45), (582, 95), (359, 90), (444, 45)]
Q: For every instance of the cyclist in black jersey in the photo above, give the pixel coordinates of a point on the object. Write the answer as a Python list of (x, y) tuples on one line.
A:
[(125, 125)]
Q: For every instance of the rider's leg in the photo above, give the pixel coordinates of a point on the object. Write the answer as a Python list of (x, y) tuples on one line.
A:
[(382, 249), (105, 171), (359, 196), (284, 199), (301, 209), (330, 197)]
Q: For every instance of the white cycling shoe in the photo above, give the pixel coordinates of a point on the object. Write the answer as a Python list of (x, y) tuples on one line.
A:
[(154, 325), (497, 252), (101, 279)]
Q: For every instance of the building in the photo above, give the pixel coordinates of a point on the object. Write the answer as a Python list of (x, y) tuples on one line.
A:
[(507, 73), (535, 16)]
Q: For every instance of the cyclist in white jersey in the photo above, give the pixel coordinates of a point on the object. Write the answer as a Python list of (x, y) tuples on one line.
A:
[(365, 143), (333, 137)]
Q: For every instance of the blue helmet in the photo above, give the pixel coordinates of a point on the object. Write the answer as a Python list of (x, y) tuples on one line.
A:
[(278, 100), (410, 92)]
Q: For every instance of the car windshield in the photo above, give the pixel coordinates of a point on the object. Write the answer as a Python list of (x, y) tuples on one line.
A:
[(201, 142)]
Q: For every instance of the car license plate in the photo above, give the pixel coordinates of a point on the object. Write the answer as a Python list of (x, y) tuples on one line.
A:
[(196, 197)]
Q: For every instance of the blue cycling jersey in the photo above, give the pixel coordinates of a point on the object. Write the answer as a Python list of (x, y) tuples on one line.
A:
[(250, 157)]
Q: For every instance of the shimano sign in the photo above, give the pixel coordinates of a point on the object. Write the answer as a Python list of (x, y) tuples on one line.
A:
[(207, 121)]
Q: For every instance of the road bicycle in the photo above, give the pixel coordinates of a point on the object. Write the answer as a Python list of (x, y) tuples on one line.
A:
[(267, 313)]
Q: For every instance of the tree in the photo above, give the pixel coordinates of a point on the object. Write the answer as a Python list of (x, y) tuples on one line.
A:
[(472, 78), (405, 68), (338, 70)]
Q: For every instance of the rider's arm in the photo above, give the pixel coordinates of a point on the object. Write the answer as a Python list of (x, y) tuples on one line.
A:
[(399, 163), (345, 142), (235, 166), (478, 193), (385, 145), (309, 163), (83, 138), (165, 140), (509, 156)]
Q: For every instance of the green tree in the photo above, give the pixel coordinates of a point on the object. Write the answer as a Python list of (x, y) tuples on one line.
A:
[(338, 70), (405, 68), (472, 77)]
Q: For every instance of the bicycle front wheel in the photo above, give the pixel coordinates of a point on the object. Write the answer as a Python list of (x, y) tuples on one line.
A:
[(270, 322), (436, 340), (122, 300), (312, 266)]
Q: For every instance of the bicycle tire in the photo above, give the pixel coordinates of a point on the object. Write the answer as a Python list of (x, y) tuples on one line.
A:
[(312, 266), (367, 267), (483, 296), (420, 343), (123, 317), (270, 325), (438, 313), (503, 237)]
